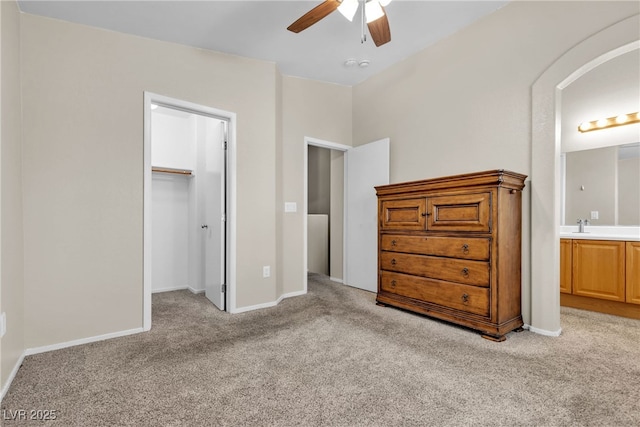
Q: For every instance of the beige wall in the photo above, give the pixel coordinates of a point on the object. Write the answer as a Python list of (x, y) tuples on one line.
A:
[(464, 104), (11, 250), (83, 158), (309, 109), (336, 226), (319, 180)]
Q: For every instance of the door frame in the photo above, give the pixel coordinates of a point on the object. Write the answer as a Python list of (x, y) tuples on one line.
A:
[(305, 203), (231, 184), (546, 98)]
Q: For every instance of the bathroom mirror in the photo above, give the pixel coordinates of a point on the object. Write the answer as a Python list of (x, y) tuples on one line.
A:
[(601, 169), (603, 180)]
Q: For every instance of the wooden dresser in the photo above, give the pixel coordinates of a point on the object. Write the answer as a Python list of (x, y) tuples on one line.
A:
[(450, 248)]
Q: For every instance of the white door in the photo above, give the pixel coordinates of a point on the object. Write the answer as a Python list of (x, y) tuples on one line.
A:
[(213, 221), (366, 167)]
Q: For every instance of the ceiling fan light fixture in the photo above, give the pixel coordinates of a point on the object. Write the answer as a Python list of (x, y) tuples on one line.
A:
[(373, 10), (348, 8)]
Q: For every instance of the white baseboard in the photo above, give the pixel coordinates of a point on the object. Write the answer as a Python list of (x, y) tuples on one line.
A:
[(543, 331), (178, 288), (12, 375), (46, 348), (267, 304), (335, 279)]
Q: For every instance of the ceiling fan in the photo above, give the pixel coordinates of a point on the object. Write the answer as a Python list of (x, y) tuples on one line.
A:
[(372, 13)]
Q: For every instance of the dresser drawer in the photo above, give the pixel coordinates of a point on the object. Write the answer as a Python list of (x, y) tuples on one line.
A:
[(460, 212), (454, 247), (403, 214), (470, 299), (469, 272)]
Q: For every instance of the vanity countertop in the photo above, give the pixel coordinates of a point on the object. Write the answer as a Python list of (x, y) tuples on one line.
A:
[(595, 232)]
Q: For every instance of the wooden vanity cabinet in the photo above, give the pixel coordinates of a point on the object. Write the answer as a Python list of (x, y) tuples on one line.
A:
[(565, 266), (633, 272), (601, 275), (598, 269), (450, 248)]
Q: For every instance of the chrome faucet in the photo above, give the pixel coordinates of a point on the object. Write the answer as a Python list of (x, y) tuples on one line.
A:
[(581, 224)]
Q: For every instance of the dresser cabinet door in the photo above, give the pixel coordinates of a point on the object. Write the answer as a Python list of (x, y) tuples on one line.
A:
[(460, 212), (598, 269), (404, 214), (453, 247)]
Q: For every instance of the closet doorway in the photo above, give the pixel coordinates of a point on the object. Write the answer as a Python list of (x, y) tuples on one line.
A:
[(189, 193)]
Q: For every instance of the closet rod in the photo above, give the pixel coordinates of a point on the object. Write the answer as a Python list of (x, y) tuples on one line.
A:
[(170, 170)]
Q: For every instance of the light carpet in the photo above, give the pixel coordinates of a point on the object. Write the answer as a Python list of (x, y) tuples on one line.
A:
[(334, 358)]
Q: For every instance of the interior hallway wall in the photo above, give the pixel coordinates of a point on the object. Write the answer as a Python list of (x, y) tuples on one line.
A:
[(336, 228), (464, 104), (83, 179), (319, 180), (11, 224)]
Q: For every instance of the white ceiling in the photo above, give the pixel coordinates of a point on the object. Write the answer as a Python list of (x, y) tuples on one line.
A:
[(257, 29)]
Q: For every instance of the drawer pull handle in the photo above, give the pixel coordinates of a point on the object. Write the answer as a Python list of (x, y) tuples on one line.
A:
[(425, 214), (465, 298), (465, 248), (465, 272), (393, 283), (393, 261), (393, 243)]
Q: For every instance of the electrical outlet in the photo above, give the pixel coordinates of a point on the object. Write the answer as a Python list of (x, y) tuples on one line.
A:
[(3, 324), (594, 214), (266, 271)]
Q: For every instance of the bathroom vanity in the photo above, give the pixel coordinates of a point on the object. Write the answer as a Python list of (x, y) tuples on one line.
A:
[(600, 269)]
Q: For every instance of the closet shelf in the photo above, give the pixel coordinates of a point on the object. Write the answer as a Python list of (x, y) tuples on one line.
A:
[(159, 169)]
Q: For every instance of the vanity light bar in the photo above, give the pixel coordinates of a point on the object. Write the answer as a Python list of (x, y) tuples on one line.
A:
[(621, 120)]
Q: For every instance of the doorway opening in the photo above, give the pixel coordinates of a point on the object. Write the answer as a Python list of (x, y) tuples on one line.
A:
[(365, 167), (545, 164), (325, 217), (323, 212), (189, 201)]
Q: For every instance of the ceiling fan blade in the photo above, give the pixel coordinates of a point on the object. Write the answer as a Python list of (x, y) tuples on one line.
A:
[(379, 30), (314, 15)]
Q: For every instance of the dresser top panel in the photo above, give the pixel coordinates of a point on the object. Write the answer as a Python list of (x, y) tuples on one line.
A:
[(494, 178)]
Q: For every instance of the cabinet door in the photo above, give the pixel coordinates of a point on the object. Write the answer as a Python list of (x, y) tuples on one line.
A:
[(403, 214), (460, 212), (598, 269), (565, 266), (633, 272)]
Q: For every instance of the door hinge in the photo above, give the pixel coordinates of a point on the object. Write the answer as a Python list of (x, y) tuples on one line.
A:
[(224, 145), (223, 288), (224, 217)]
